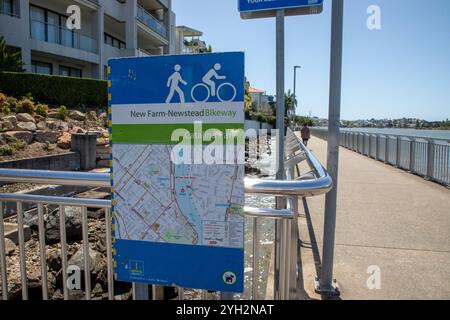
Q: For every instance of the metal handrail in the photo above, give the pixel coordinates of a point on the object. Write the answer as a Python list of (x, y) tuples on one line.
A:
[(299, 188), (318, 182)]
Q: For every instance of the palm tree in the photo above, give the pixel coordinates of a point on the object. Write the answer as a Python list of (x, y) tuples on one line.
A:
[(9, 61), (290, 103)]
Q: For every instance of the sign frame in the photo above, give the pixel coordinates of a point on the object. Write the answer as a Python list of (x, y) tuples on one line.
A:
[(288, 10)]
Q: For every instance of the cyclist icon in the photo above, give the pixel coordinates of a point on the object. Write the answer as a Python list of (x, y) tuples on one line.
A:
[(210, 85)]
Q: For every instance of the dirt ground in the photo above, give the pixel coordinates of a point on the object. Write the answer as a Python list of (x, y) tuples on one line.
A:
[(33, 150)]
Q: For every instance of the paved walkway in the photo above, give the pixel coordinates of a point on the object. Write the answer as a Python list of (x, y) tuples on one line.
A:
[(387, 218)]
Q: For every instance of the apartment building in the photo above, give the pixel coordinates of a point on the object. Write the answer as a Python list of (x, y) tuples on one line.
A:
[(109, 28)]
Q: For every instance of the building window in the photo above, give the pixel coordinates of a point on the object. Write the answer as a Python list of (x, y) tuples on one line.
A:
[(8, 7), (70, 72), (114, 42), (41, 67)]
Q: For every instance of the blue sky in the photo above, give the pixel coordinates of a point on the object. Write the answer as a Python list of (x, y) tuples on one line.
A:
[(402, 70)]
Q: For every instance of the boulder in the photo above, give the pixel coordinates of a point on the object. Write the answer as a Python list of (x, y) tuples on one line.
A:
[(73, 225), (22, 135), (77, 115), (41, 125), (11, 119), (7, 125), (57, 125), (54, 261), (39, 118), (92, 115), (11, 232), (10, 247), (53, 114), (95, 260), (76, 130), (64, 141), (25, 117), (46, 136), (26, 126), (2, 139)]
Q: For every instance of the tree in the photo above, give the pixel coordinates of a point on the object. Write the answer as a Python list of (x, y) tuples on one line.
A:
[(9, 61), (304, 120), (248, 100), (289, 103)]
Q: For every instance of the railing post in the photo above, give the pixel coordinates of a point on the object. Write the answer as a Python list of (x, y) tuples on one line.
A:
[(386, 156), (3, 256), (377, 147), (255, 278), (430, 160), (399, 152), (412, 155)]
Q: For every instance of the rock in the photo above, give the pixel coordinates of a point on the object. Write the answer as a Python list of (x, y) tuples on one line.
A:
[(39, 118), (25, 117), (76, 130), (12, 234), (58, 295), (22, 135), (64, 141), (92, 115), (2, 139), (11, 119), (53, 114), (77, 115), (97, 214), (73, 225), (54, 262), (7, 126), (10, 247), (41, 125), (98, 290), (95, 260), (46, 136), (102, 141), (26, 126), (57, 125)]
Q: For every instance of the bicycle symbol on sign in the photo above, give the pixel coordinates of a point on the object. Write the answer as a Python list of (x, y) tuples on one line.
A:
[(208, 86)]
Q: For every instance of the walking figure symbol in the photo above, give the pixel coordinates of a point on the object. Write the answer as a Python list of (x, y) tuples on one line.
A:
[(208, 86), (173, 83)]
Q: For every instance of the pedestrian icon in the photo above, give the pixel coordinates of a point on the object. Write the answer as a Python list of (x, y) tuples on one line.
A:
[(173, 83)]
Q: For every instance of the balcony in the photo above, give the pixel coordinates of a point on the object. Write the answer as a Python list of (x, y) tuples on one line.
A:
[(150, 21), (63, 36)]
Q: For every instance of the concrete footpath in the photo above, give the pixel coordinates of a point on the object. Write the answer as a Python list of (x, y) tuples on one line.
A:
[(388, 220)]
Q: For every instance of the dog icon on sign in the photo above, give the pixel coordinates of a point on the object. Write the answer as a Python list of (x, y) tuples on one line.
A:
[(229, 278)]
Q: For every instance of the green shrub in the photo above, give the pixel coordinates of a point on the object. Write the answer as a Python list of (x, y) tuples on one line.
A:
[(12, 103), (25, 106), (5, 109), (42, 110), (62, 113), (56, 90), (6, 150), (3, 98), (28, 96), (15, 143), (47, 146)]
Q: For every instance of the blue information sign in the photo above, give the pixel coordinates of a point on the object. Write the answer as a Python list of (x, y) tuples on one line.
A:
[(261, 5), (178, 219)]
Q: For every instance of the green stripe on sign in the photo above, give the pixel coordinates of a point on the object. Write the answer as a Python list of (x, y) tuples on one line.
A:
[(166, 133)]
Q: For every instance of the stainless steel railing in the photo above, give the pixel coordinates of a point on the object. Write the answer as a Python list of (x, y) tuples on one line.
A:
[(317, 182), (426, 157)]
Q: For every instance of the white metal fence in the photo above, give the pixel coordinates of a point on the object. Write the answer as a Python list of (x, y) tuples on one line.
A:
[(426, 157)]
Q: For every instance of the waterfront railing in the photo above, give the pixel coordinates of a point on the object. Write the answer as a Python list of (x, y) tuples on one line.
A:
[(423, 156), (315, 182)]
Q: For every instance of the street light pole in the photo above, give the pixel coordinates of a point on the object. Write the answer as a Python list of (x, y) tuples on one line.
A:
[(295, 90)]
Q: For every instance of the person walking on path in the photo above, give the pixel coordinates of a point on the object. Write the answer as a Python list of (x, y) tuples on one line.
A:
[(306, 134)]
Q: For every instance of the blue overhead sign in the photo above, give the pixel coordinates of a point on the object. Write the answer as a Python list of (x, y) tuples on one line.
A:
[(262, 5)]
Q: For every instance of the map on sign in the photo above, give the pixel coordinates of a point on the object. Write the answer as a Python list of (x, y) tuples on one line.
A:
[(177, 177), (172, 203)]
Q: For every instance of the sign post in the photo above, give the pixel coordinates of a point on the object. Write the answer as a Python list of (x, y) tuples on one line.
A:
[(178, 170), (279, 9), (326, 282)]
